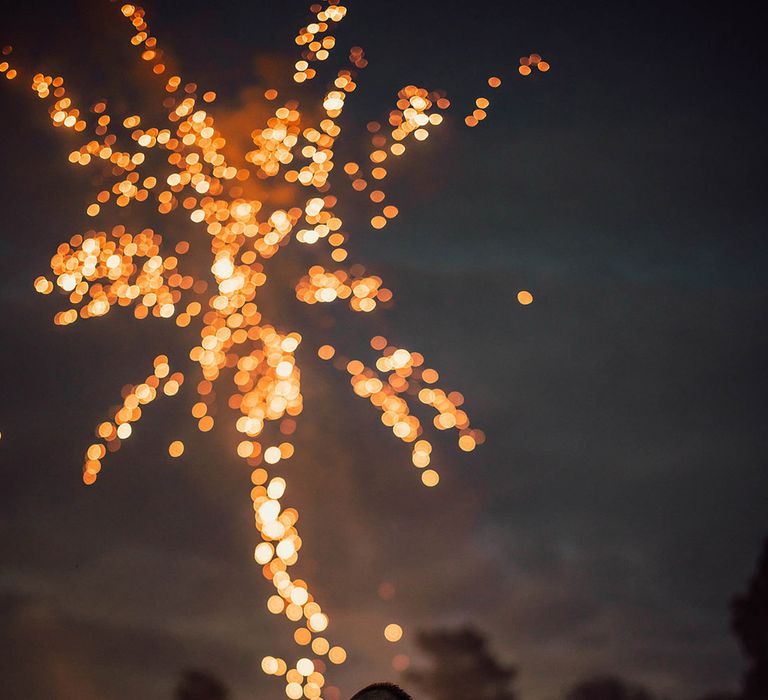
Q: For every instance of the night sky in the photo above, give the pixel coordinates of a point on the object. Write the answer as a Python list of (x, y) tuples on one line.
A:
[(620, 499)]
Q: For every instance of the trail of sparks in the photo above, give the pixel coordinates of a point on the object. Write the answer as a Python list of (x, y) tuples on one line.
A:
[(101, 269)]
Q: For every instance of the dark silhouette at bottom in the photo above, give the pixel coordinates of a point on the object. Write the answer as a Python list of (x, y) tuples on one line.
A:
[(462, 666), (381, 691), (608, 688), (200, 685), (749, 619)]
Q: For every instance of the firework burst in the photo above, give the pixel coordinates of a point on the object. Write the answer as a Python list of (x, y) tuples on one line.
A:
[(182, 169)]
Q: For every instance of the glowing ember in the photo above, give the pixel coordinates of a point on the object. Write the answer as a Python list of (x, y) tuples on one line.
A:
[(101, 269)]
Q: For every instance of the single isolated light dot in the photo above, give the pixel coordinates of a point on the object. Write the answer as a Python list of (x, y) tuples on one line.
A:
[(326, 352), (176, 448), (393, 632), (524, 297)]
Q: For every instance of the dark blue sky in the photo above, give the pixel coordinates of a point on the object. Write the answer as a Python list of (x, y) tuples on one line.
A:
[(619, 501)]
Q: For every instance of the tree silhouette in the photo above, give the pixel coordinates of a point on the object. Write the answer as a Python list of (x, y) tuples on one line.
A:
[(749, 620), (608, 688), (200, 685), (461, 667)]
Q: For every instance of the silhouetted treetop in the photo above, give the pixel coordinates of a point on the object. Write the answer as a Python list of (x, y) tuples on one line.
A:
[(608, 688), (749, 619), (461, 667), (200, 685)]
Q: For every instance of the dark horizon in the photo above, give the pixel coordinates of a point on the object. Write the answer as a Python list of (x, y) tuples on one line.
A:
[(618, 504)]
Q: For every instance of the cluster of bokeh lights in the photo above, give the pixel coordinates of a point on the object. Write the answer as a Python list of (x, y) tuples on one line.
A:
[(101, 269)]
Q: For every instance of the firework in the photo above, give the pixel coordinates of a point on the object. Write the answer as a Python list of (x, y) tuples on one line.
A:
[(181, 169)]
